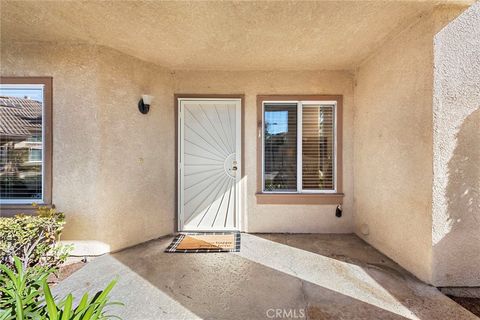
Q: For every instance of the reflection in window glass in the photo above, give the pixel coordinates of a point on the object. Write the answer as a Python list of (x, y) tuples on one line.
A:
[(35, 155), (280, 147), (21, 143)]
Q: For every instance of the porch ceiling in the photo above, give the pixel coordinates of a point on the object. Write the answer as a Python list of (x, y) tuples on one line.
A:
[(219, 35)]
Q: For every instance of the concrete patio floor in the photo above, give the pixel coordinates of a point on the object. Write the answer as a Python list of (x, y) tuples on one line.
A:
[(275, 276)]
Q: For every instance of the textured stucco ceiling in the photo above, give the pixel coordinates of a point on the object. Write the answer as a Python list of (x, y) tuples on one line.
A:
[(219, 35)]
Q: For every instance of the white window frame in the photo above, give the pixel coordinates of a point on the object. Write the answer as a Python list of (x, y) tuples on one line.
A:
[(300, 104), (42, 199)]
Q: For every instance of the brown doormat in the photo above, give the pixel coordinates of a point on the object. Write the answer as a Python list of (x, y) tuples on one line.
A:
[(205, 242)]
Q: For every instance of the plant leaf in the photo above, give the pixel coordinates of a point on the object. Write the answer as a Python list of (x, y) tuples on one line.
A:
[(107, 290), (51, 307), (18, 307), (82, 304), (68, 307), (89, 312)]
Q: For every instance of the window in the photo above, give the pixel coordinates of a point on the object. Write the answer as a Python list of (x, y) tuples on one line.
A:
[(25, 141), (318, 146), (300, 146), (280, 147)]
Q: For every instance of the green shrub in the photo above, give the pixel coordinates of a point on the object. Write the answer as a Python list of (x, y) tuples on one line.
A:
[(25, 294), (20, 291), (33, 239)]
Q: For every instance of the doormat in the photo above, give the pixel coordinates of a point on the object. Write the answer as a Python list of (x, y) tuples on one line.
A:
[(205, 242)]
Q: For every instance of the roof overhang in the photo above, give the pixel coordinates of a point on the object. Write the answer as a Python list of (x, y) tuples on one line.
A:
[(227, 35)]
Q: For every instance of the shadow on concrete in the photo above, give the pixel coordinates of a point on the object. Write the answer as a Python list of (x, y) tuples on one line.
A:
[(326, 276), (229, 286), (422, 300), (463, 208), (304, 276)]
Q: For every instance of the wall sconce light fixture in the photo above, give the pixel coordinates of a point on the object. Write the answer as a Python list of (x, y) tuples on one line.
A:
[(144, 103)]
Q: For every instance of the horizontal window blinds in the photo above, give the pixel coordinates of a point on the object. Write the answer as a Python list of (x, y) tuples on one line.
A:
[(21, 144), (318, 144), (280, 147)]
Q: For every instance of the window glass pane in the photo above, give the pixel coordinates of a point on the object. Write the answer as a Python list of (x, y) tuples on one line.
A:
[(35, 155), (280, 147), (21, 143), (318, 147)]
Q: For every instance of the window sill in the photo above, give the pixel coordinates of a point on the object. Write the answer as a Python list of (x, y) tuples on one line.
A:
[(10, 209), (299, 198)]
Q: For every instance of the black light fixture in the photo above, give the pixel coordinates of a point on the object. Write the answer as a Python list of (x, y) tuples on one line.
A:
[(144, 103), (338, 211)]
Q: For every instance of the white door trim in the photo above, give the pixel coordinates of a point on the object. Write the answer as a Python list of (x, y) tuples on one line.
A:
[(180, 161)]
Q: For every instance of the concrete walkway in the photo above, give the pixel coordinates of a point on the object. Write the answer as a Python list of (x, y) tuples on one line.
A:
[(273, 277)]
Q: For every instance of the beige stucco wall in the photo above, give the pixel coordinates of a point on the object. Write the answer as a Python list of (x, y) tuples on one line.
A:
[(113, 168), (137, 169), (281, 218), (393, 145), (393, 148), (456, 192), (75, 155)]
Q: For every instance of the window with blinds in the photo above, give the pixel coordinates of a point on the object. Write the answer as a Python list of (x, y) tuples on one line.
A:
[(299, 147), (318, 143), (21, 143), (280, 147)]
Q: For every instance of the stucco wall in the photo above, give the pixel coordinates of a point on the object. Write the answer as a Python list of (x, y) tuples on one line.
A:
[(393, 148), (137, 169), (113, 169), (456, 192), (281, 218), (75, 110)]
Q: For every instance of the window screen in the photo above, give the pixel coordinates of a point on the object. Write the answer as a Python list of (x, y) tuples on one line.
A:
[(21, 143), (280, 147)]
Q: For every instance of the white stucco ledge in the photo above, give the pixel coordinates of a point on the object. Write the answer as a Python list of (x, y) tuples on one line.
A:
[(87, 248)]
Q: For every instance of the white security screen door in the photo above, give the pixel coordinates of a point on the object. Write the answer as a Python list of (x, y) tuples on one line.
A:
[(209, 168)]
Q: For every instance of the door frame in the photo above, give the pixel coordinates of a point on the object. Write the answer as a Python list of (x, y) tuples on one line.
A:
[(192, 96)]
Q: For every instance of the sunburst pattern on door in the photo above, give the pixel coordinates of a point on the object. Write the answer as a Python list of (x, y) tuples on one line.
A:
[(210, 165)]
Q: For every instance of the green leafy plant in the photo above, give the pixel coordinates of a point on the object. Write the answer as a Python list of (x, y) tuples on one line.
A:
[(25, 294), (87, 308), (33, 239), (20, 291)]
